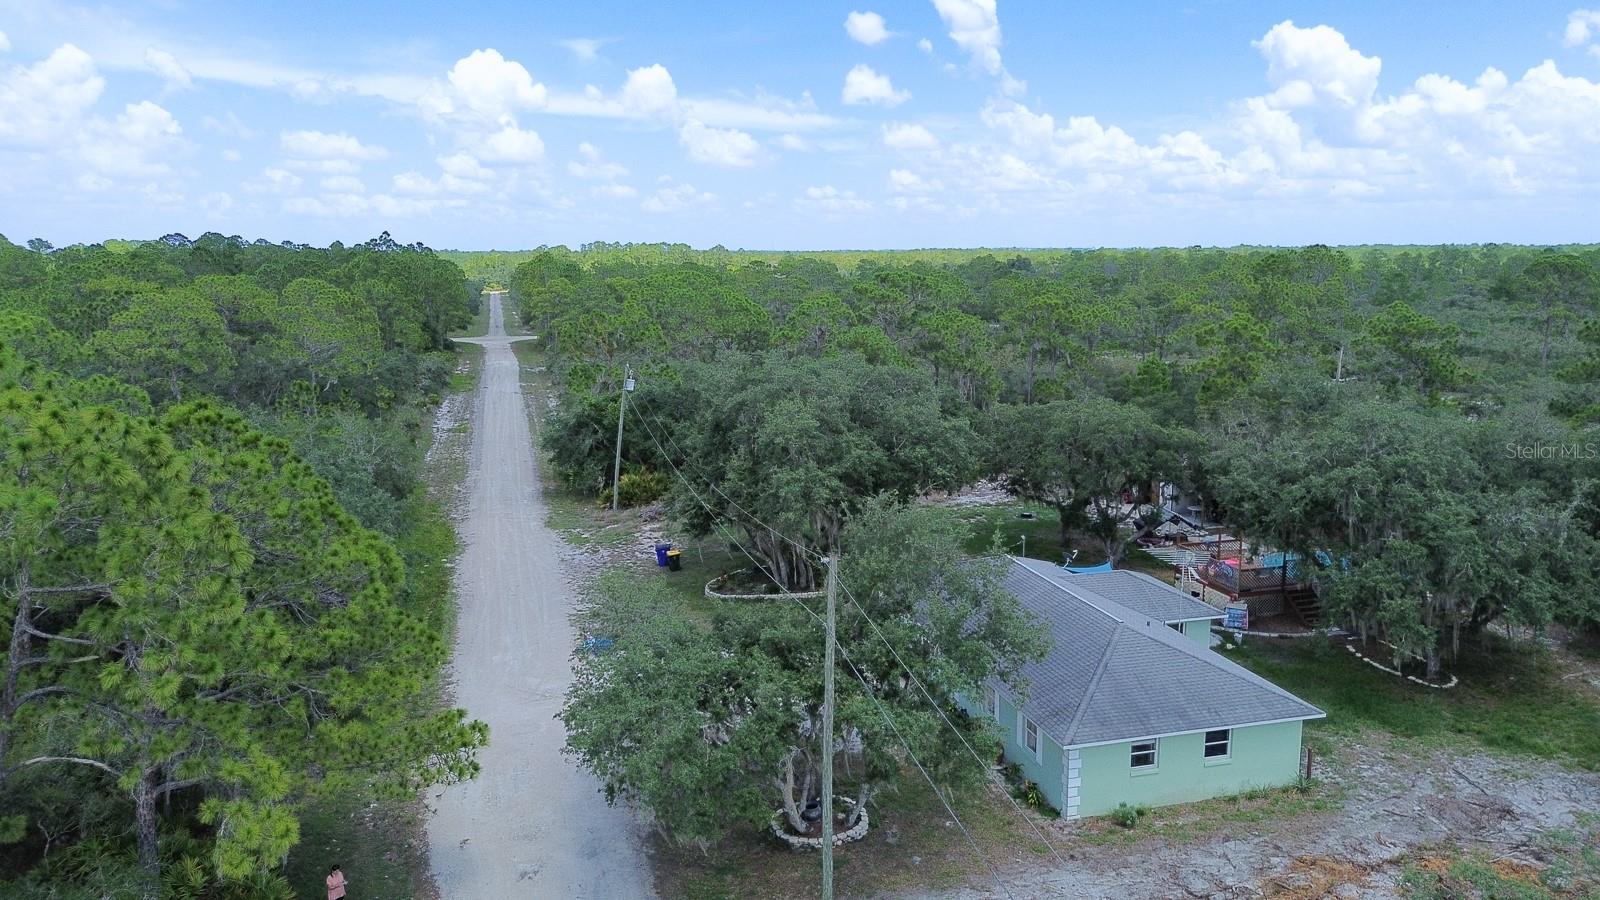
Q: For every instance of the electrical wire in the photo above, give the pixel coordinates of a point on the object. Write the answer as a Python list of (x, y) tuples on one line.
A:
[(846, 655), (994, 777)]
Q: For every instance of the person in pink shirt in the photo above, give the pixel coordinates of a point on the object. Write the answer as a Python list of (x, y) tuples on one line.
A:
[(336, 884)]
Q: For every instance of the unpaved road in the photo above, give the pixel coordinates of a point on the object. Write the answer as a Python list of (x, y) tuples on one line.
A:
[(531, 824)]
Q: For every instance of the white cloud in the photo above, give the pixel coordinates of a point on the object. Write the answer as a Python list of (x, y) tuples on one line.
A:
[(649, 91), (5, 43), (831, 199), (593, 164), (1320, 59), (231, 155), (925, 45), (718, 146), (317, 145), (323, 166), (138, 143), (167, 66), (335, 205), (343, 184), (491, 84), (904, 181), (483, 86), (1583, 25), (464, 165), (215, 203), (616, 191), (905, 136), (863, 85), (866, 28), (676, 197), (228, 124), (975, 28), (793, 142), (511, 145), (44, 103), (273, 181), (586, 49)]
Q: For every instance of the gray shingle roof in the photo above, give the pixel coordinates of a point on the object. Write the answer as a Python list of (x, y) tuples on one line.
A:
[(1133, 590), (1117, 674)]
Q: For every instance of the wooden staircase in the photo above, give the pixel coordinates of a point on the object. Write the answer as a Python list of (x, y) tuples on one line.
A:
[(1307, 606)]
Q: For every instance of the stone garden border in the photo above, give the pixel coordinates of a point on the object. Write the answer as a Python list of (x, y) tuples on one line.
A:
[(713, 594), (804, 843), (1454, 680)]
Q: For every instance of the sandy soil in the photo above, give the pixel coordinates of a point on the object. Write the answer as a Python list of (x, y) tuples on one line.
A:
[(1400, 800), (531, 824)]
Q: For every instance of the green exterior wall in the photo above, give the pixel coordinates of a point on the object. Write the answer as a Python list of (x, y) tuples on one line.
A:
[(1261, 756), (1198, 631), (1045, 770)]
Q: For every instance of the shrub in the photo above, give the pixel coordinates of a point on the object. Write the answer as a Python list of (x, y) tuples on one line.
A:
[(1128, 816), (640, 486)]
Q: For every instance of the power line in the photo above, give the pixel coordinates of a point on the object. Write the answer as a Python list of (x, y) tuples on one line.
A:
[(994, 777), (854, 670)]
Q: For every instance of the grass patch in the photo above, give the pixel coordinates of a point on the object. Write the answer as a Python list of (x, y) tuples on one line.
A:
[(1255, 811), (913, 843), (381, 847), (1571, 858), (1041, 527), (1511, 698), (479, 326)]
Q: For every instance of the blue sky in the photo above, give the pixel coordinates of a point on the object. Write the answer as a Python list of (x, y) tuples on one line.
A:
[(810, 125)]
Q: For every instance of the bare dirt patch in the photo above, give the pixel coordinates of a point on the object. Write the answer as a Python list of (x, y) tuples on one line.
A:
[(1398, 803)]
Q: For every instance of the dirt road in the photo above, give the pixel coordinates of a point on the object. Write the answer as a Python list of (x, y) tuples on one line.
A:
[(532, 824)]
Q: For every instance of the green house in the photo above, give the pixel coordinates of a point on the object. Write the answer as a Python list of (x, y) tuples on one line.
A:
[(1131, 705)]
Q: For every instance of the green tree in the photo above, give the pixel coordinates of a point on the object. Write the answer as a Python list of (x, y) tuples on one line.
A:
[(325, 333), (714, 729), (1414, 351), (799, 443), (189, 613), (1555, 287), (1085, 457), (1580, 403), (167, 341)]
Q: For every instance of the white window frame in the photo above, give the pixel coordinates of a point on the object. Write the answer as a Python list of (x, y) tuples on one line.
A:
[(1176, 626), (991, 701), (1023, 724), (1226, 742), (1154, 751)]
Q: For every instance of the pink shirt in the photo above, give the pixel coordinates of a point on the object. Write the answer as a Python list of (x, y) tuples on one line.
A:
[(336, 886)]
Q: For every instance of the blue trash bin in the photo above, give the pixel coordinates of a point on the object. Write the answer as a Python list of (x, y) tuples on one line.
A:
[(661, 554)]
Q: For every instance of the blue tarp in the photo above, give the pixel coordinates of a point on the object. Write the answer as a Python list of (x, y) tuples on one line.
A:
[(1088, 570)]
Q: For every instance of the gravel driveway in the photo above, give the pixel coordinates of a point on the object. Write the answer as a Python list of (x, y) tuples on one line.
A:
[(532, 824)]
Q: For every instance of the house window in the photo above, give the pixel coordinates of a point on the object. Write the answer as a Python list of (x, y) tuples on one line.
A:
[(1219, 743), (1143, 755), (991, 701), (1030, 736), (1176, 626)]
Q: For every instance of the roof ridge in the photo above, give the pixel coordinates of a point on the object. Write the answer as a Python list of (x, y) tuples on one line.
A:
[(1222, 663), (1184, 645), (1068, 591), (1094, 684)]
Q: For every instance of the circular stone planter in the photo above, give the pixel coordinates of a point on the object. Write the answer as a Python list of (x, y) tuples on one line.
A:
[(779, 827), (713, 594)]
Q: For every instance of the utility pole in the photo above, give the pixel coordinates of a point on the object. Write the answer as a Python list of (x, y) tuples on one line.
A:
[(622, 408), (827, 731)]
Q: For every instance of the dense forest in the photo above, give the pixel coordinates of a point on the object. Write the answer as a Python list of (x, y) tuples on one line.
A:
[(1421, 420), (222, 580)]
